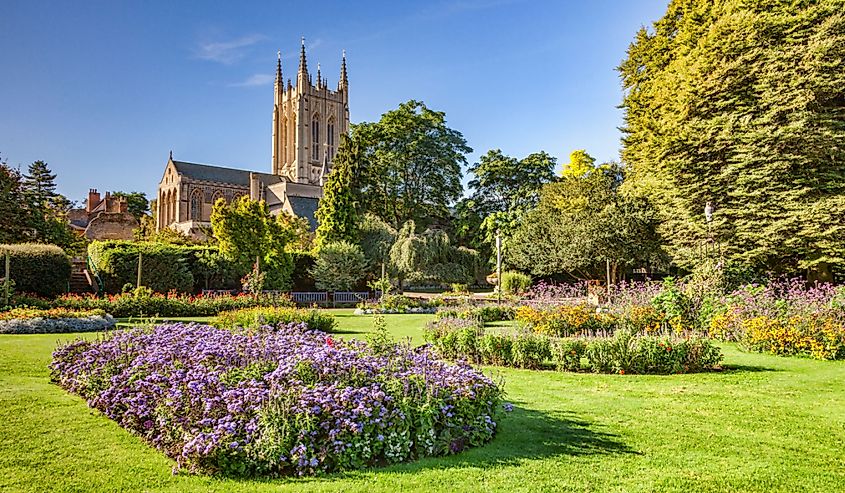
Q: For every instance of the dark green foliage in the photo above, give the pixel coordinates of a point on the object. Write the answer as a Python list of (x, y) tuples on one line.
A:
[(164, 267), (336, 214), (410, 167), (376, 238), (13, 210), (742, 104), (253, 318), (39, 269), (301, 278)]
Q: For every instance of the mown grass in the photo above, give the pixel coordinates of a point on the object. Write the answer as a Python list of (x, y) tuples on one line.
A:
[(763, 424)]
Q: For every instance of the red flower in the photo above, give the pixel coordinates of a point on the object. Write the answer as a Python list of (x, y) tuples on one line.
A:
[(329, 341)]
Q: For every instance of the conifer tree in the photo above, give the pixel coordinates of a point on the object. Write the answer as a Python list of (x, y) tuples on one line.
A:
[(336, 215), (742, 105)]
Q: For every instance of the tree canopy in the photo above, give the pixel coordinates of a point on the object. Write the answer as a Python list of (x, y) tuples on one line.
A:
[(410, 165), (742, 104), (336, 214)]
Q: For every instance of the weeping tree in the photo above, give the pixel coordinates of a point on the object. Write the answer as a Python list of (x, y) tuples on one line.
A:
[(431, 257)]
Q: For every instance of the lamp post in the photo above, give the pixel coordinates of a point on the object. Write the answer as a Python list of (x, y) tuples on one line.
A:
[(499, 266), (708, 217)]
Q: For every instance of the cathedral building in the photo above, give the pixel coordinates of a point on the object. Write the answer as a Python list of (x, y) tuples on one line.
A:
[(308, 120)]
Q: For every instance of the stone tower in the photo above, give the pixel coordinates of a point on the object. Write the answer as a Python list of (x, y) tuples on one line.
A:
[(308, 121)]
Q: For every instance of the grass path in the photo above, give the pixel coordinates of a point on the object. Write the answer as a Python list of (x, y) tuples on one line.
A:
[(765, 424)]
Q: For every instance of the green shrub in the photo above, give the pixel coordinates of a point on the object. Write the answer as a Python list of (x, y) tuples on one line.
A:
[(627, 353), (454, 338), (567, 353), (531, 350), (496, 349), (43, 270), (339, 266), (515, 282), (164, 267), (253, 318), (484, 314)]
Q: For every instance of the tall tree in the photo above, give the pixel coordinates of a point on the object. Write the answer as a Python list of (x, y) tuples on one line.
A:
[(136, 203), (580, 163), (584, 223), (742, 105), (48, 217), (504, 189), (336, 215), (411, 165), (40, 186), (13, 207), (246, 231)]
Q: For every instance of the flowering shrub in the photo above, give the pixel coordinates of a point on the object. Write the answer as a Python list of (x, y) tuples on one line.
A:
[(146, 304), (292, 401), (784, 318), (564, 320), (253, 318), (26, 320)]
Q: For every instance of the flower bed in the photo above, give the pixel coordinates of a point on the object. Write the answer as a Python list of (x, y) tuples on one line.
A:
[(395, 303), (147, 304), (484, 313), (281, 402), (623, 352), (253, 318), (53, 321)]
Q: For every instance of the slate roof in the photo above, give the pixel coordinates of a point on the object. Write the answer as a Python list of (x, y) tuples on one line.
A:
[(305, 207), (205, 172)]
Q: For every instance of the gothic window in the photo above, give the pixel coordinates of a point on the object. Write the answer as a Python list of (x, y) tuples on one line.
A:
[(196, 205), (315, 138), (217, 195), (330, 138), (283, 152)]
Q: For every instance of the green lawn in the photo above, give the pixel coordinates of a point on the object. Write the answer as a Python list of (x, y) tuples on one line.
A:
[(765, 424)]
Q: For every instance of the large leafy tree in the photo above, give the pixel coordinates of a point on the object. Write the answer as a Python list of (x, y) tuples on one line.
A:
[(246, 231), (411, 165), (742, 104), (336, 214), (136, 203), (504, 189), (582, 224), (430, 257)]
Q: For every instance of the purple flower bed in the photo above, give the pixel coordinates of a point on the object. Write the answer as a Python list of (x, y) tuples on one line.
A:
[(284, 402)]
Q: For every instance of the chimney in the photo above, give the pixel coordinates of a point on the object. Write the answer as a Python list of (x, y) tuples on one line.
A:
[(93, 199)]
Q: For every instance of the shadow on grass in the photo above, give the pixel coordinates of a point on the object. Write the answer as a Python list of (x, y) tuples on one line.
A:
[(730, 368)]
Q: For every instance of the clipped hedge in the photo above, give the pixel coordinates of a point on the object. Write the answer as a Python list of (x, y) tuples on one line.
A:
[(164, 267), (39, 269), (142, 303)]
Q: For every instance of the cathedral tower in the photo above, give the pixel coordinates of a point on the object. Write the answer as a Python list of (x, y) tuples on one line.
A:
[(308, 121)]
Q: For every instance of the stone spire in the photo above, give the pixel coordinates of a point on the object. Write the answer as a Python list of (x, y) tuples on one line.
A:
[(302, 76), (319, 78), (279, 79), (342, 84)]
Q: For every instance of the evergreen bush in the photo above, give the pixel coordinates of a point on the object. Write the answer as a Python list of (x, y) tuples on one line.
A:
[(39, 269)]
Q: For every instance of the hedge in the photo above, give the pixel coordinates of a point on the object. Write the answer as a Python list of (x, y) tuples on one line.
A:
[(164, 266), (39, 269)]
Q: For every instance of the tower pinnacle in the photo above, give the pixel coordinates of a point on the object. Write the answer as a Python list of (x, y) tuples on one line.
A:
[(343, 80), (279, 79)]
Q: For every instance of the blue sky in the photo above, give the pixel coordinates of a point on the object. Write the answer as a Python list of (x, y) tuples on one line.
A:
[(102, 91)]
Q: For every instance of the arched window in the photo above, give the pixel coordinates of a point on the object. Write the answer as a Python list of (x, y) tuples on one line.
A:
[(196, 205), (315, 138), (217, 195), (330, 138)]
